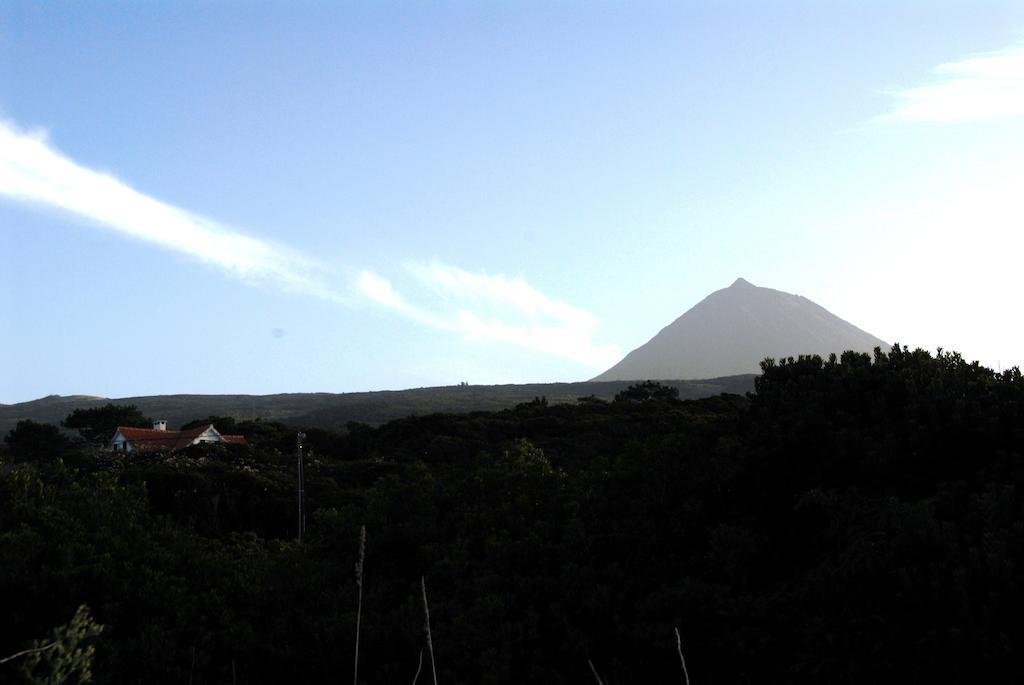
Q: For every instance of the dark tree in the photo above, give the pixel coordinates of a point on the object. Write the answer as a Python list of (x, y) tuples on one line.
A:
[(224, 424), (31, 441), (648, 391), (99, 423)]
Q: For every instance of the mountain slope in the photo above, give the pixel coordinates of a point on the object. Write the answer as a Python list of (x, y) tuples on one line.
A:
[(733, 329)]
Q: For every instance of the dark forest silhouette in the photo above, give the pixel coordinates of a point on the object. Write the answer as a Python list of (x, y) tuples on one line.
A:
[(857, 519)]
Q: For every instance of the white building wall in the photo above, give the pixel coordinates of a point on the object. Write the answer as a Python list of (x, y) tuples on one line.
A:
[(120, 443)]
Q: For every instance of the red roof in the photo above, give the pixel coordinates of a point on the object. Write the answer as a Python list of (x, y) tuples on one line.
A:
[(152, 439), (149, 438)]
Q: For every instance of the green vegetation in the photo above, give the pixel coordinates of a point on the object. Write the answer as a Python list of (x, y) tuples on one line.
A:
[(856, 520), (66, 657)]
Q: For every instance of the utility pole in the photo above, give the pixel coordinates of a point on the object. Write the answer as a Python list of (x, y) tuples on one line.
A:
[(301, 527)]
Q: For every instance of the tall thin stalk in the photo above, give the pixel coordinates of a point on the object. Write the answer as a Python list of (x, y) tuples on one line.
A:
[(682, 661), (419, 667), (359, 604), (594, 671), (426, 620)]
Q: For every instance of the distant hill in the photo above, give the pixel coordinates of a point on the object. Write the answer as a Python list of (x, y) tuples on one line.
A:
[(330, 410), (731, 330)]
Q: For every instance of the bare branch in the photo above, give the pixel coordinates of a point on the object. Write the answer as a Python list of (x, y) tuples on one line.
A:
[(430, 640), (682, 661), (419, 667), (359, 605), (594, 671), (26, 652)]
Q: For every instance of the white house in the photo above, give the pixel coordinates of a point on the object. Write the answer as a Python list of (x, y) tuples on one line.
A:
[(128, 439)]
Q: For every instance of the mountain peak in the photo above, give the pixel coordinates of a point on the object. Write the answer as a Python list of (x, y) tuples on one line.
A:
[(731, 330)]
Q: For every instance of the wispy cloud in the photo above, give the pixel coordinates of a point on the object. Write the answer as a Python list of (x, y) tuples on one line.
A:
[(380, 291), (514, 293), (480, 306), (475, 306), (983, 87), (31, 170)]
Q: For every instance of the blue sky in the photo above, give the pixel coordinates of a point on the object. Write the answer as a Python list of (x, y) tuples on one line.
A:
[(275, 197)]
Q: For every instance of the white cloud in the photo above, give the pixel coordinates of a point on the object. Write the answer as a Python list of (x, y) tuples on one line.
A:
[(380, 291), (31, 170), (984, 87), (482, 307), (515, 293), (476, 306)]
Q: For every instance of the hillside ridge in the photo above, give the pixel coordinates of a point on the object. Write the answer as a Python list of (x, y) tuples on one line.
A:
[(335, 410)]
